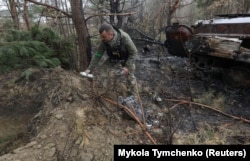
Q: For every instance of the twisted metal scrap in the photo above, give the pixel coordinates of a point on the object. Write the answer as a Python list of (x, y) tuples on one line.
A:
[(132, 114), (134, 117)]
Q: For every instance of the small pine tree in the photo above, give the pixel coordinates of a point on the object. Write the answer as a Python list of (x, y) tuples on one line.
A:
[(39, 47)]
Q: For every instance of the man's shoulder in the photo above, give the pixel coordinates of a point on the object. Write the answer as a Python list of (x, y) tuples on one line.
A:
[(124, 35)]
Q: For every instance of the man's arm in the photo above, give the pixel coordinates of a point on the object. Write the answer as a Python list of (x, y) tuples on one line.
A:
[(131, 49), (95, 59)]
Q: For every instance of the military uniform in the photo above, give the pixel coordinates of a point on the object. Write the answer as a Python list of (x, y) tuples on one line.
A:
[(110, 58)]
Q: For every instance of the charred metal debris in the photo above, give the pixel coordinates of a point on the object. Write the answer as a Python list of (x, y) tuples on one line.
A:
[(223, 41)]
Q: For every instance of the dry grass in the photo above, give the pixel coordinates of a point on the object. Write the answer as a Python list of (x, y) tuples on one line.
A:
[(206, 134), (211, 98)]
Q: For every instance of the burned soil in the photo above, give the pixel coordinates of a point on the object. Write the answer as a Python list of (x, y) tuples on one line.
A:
[(53, 114)]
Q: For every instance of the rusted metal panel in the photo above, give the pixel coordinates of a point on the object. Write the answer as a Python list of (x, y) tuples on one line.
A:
[(225, 30), (226, 26)]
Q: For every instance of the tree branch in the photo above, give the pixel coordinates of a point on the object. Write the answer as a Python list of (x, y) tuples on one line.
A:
[(109, 14), (49, 6)]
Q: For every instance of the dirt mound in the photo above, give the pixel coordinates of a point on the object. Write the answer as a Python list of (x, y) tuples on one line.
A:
[(61, 116), (71, 122)]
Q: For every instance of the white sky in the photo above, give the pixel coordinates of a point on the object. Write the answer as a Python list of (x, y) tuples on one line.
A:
[(4, 7)]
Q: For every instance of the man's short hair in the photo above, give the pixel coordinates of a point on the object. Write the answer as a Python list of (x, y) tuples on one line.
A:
[(105, 27)]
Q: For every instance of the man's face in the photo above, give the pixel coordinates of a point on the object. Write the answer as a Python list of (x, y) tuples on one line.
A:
[(107, 36)]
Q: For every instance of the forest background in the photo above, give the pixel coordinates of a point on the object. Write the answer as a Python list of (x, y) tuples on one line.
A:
[(48, 33)]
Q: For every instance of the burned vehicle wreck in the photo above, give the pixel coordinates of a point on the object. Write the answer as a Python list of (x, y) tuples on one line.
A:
[(222, 42)]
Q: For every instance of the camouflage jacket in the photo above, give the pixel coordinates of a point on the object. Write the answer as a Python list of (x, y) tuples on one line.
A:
[(127, 44)]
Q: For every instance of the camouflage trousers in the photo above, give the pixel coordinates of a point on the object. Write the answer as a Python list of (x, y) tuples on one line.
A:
[(107, 75)]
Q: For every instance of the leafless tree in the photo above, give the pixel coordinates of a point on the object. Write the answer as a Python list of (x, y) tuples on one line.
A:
[(14, 14), (115, 7), (83, 38)]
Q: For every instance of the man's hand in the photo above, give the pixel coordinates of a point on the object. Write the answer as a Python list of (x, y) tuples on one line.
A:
[(125, 71), (87, 71)]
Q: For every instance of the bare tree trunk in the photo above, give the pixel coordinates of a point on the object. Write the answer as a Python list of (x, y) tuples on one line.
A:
[(112, 10), (83, 56), (25, 15), (172, 9), (83, 38), (119, 17), (14, 13), (115, 8)]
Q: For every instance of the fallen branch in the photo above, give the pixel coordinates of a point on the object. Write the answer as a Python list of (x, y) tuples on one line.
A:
[(209, 107), (150, 41)]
